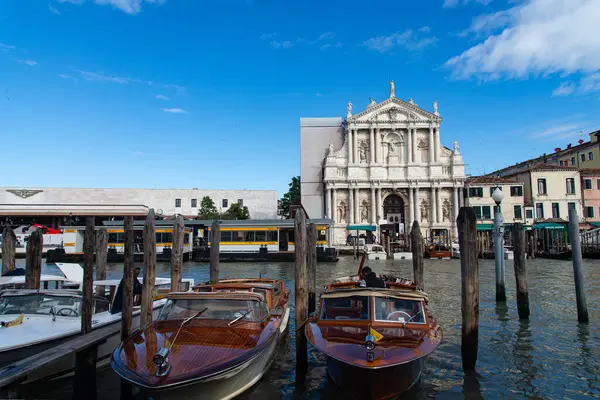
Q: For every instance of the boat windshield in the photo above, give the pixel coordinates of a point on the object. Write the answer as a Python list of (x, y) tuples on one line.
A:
[(351, 307), (399, 310), (41, 304), (226, 309)]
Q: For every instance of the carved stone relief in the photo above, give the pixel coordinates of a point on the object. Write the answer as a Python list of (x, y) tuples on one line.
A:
[(364, 211), (424, 210), (446, 210), (342, 210)]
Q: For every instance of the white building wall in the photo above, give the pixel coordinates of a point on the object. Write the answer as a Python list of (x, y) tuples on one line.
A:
[(262, 204), (315, 136), (507, 206), (556, 192)]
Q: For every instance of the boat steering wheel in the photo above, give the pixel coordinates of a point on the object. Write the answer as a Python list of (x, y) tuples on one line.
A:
[(394, 317), (70, 311)]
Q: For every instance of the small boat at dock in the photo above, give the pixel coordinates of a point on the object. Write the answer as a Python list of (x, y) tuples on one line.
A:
[(375, 339), (213, 343), (374, 252), (438, 251)]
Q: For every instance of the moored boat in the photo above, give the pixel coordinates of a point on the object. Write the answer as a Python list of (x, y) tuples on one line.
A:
[(438, 251), (213, 343), (374, 339), (374, 252)]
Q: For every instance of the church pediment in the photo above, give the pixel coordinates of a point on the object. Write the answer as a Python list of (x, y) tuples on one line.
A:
[(396, 110)]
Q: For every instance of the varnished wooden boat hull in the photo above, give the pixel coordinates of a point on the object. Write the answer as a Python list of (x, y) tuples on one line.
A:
[(374, 383)]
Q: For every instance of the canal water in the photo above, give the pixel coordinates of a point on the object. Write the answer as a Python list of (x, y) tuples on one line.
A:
[(549, 357)]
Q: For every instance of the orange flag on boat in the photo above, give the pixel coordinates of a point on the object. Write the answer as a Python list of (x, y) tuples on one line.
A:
[(16, 321), (376, 335)]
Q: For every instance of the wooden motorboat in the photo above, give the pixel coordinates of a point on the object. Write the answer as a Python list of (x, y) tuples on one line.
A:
[(375, 339), (50, 317), (213, 343), (438, 251)]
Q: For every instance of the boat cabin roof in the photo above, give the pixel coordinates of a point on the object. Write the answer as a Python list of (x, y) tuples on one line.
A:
[(376, 292), (247, 296), (44, 292)]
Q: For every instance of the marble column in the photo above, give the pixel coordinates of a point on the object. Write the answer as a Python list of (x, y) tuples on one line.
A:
[(328, 203), (455, 203), (417, 206), (357, 218), (438, 202), (431, 145), (334, 204), (377, 146), (372, 145), (414, 146), (350, 206), (437, 144), (409, 158), (411, 208), (373, 207), (433, 206), (355, 146), (350, 151), (379, 204), (461, 196)]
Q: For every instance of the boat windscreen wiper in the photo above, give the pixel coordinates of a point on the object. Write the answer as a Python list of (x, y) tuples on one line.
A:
[(238, 318)]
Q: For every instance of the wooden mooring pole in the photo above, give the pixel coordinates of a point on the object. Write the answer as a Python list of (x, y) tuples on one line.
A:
[(215, 245), (33, 260), (469, 268), (416, 244), (127, 310), (149, 269), (9, 244), (582, 311), (85, 360), (311, 242), (177, 254), (101, 258), (520, 253), (300, 293)]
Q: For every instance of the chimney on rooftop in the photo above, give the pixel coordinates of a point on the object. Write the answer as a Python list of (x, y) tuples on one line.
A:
[(556, 150), (569, 146), (580, 141)]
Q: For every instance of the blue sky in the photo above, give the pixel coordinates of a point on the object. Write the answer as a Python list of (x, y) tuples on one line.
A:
[(208, 93)]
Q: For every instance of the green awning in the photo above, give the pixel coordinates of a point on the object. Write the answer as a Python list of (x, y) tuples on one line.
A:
[(485, 227), (371, 228), (549, 225), (597, 224)]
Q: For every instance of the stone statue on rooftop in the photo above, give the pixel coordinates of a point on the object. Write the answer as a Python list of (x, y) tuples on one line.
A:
[(371, 102), (349, 110), (435, 107), (455, 146), (392, 89)]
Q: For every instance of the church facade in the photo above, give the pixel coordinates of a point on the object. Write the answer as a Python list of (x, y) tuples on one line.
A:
[(384, 165)]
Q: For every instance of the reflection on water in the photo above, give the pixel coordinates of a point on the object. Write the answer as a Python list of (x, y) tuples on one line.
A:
[(550, 356)]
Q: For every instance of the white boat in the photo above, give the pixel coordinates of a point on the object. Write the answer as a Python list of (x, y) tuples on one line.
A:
[(455, 250), (509, 253), (375, 252), (72, 278), (51, 317)]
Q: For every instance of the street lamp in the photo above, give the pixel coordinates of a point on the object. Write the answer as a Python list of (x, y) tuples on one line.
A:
[(498, 196)]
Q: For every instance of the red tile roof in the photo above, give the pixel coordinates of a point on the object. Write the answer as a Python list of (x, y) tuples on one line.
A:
[(549, 167), (489, 180), (590, 171)]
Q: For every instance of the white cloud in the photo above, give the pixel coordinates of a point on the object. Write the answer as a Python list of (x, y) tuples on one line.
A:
[(564, 128), (326, 35), (407, 40), (53, 9), (5, 47), (177, 88), (425, 29), (285, 44), (68, 77), (539, 38), (565, 89), (110, 78), (454, 3), (330, 45), (161, 97), (174, 110), (31, 63), (267, 36), (489, 23), (319, 94), (128, 6)]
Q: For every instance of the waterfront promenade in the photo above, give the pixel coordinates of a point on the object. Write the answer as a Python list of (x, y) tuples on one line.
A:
[(551, 356)]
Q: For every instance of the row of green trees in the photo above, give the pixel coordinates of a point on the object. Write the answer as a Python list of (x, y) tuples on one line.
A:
[(208, 210), (292, 197)]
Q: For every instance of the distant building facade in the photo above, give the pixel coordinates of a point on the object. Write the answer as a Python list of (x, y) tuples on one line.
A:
[(551, 189), (590, 185), (382, 165), (478, 193), (56, 203)]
